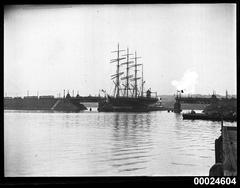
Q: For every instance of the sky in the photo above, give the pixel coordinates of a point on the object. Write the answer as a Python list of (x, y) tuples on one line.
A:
[(49, 48)]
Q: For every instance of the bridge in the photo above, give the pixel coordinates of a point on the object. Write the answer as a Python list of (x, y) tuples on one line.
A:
[(197, 100), (200, 100)]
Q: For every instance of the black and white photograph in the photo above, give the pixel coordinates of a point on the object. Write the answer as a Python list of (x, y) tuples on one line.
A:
[(120, 90)]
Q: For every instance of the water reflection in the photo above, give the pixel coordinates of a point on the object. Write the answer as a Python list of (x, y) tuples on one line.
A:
[(178, 116), (92, 143), (131, 141)]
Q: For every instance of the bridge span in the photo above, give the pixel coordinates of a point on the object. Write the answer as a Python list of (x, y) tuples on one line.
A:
[(199, 100)]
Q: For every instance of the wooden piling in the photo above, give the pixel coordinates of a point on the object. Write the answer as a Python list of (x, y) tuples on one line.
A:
[(225, 153), (218, 150), (229, 151)]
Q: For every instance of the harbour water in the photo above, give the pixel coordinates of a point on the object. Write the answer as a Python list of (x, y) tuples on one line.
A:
[(107, 144)]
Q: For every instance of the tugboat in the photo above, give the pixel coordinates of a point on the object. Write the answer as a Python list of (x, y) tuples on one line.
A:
[(128, 96)]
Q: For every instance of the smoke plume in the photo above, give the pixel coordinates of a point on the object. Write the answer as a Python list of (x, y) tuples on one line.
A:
[(187, 83)]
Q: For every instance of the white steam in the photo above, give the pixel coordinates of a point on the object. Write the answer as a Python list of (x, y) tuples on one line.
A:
[(187, 83)]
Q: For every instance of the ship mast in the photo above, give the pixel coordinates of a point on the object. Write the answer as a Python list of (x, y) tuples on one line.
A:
[(135, 86), (142, 82), (127, 71), (135, 79), (117, 84)]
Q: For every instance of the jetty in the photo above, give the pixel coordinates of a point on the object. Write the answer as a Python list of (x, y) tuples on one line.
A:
[(225, 153)]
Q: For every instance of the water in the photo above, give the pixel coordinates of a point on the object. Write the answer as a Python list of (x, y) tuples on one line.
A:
[(92, 144)]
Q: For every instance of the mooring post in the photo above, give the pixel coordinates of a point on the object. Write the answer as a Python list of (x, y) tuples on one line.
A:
[(218, 150)]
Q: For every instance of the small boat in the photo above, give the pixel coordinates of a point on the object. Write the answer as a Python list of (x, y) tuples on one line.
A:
[(213, 117)]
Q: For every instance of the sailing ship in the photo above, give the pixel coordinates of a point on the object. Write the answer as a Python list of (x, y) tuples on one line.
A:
[(128, 96)]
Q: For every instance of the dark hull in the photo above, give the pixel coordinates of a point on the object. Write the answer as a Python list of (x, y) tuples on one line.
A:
[(51, 104), (157, 108), (126, 104), (208, 117)]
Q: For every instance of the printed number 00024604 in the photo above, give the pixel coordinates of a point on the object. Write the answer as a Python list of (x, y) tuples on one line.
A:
[(214, 181)]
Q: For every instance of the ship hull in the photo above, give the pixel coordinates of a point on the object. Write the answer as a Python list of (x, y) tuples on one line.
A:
[(126, 104)]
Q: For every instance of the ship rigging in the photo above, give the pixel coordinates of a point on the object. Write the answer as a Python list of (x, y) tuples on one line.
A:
[(129, 89), (127, 95)]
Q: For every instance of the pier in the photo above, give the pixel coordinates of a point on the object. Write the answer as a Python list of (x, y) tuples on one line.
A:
[(225, 153)]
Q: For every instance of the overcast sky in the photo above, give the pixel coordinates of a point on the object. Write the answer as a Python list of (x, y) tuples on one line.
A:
[(51, 48)]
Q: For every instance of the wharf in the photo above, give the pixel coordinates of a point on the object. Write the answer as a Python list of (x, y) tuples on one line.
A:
[(230, 151), (43, 103), (225, 153)]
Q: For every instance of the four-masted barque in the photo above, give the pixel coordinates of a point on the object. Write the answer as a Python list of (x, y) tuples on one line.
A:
[(129, 95)]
